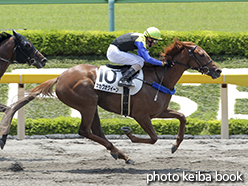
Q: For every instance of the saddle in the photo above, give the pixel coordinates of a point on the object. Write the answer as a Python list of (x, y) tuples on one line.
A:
[(122, 68), (107, 80)]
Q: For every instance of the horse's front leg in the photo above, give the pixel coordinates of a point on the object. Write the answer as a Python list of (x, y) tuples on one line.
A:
[(3, 140), (145, 123), (8, 116), (3, 108), (4, 125), (147, 126), (174, 114)]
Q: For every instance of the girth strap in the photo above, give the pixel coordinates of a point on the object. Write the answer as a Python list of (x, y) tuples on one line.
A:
[(125, 102)]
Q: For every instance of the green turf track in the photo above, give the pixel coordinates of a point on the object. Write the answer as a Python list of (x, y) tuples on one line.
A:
[(214, 16)]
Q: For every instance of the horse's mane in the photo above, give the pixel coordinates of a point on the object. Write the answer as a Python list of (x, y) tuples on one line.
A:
[(173, 49), (3, 36)]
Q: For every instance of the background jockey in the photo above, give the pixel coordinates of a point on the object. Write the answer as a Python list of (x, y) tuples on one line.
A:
[(118, 52)]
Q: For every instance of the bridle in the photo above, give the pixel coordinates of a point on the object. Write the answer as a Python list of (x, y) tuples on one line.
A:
[(201, 67), (29, 58)]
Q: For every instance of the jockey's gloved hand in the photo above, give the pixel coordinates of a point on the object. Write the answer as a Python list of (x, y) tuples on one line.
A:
[(169, 63)]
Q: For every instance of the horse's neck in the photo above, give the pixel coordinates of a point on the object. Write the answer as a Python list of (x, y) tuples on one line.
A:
[(174, 73), (7, 48), (6, 52), (172, 76)]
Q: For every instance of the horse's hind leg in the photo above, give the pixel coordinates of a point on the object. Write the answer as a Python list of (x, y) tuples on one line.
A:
[(83, 98), (85, 130), (97, 130)]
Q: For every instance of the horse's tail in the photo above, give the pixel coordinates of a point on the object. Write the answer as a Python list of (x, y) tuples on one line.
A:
[(46, 89)]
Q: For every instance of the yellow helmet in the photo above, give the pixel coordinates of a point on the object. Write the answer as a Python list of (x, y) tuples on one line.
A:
[(153, 33)]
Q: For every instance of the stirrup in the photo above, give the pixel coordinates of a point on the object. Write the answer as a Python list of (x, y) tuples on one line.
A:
[(125, 83)]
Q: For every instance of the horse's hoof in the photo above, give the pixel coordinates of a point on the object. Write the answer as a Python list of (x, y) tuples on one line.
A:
[(115, 156), (2, 144), (130, 161), (126, 130), (173, 148)]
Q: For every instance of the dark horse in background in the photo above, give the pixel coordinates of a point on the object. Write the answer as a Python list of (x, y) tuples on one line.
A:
[(75, 88), (17, 49)]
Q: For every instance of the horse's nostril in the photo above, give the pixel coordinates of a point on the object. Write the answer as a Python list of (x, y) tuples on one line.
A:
[(44, 60), (218, 70)]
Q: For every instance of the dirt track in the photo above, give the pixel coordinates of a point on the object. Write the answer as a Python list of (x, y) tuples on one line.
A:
[(82, 162)]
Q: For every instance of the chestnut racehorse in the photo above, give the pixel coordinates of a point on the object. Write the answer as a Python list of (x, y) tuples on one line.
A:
[(75, 88)]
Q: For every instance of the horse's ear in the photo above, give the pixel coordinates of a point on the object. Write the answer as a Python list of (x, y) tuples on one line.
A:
[(14, 32), (176, 39)]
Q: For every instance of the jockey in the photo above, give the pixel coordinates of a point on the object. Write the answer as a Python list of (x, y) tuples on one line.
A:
[(118, 52)]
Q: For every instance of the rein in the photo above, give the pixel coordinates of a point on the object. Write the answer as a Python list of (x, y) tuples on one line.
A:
[(159, 86), (156, 76), (161, 81), (202, 68), (6, 60)]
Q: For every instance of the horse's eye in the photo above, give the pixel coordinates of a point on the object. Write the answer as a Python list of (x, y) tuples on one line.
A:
[(27, 45), (202, 55)]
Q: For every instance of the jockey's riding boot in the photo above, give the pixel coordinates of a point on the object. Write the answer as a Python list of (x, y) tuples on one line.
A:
[(125, 80)]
